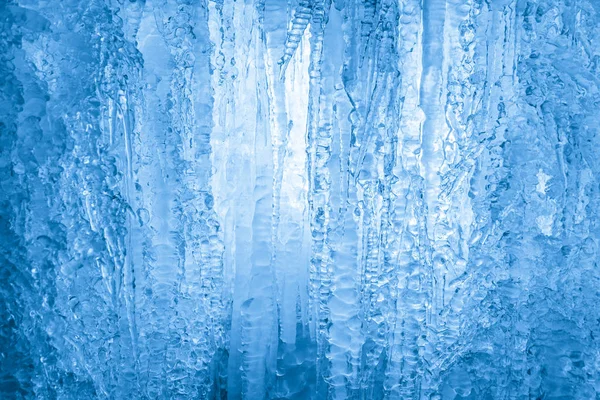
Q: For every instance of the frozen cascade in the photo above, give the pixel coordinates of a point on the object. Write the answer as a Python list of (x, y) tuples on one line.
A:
[(299, 199)]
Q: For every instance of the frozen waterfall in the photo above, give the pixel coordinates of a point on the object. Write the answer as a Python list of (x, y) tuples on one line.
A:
[(300, 199)]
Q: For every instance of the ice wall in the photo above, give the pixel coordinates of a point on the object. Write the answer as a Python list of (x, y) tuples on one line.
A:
[(301, 199)]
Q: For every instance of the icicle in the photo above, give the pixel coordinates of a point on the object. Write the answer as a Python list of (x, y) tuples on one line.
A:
[(302, 17)]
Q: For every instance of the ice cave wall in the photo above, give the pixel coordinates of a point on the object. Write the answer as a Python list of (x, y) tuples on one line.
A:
[(303, 199)]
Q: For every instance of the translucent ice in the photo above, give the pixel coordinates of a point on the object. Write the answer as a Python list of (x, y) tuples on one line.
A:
[(299, 199)]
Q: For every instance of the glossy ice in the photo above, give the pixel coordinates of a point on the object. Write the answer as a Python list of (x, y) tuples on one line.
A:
[(302, 199)]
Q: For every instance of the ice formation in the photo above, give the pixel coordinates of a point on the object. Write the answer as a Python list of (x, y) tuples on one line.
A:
[(299, 199)]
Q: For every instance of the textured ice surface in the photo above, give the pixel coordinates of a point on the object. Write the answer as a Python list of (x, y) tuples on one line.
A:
[(302, 199)]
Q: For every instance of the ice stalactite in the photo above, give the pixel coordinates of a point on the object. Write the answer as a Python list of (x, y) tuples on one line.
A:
[(301, 199)]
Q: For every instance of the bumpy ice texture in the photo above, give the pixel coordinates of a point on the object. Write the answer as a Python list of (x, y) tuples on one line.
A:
[(303, 199)]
